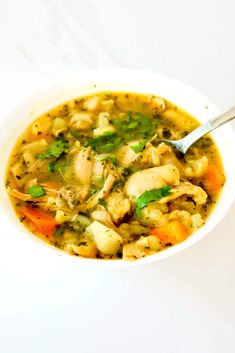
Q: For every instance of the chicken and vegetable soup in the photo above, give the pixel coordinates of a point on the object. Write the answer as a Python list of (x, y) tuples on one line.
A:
[(92, 178)]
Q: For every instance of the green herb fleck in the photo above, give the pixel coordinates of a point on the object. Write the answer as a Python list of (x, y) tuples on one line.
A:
[(102, 202), (133, 125), (74, 133), (93, 189), (101, 181), (118, 184), (105, 144), (144, 122), (36, 191), (56, 149), (130, 170), (60, 231), (139, 147), (111, 158), (59, 166), (150, 196)]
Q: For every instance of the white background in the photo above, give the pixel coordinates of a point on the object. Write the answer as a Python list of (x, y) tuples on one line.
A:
[(182, 304)]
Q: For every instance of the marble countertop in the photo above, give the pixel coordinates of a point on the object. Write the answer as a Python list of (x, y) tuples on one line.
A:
[(182, 304)]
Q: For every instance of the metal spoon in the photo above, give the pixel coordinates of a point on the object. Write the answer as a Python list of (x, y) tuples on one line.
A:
[(183, 144)]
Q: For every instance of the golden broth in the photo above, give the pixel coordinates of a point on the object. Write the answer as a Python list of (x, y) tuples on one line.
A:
[(92, 178)]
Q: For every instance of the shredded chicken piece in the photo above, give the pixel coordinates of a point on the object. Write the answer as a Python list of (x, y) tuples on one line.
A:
[(167, 156), (149, 157), (73, 194), (151, 178), (109, 169), (48, 205), (118, 206), (39, 164), (83, 164), (97, 170), (125, 155), (197, 193), (25, 197), (102, 194), (55, 204), (52, 189), (19, 195), (104, 217)]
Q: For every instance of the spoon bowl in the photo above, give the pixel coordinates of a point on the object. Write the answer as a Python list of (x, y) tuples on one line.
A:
[(183, 144)]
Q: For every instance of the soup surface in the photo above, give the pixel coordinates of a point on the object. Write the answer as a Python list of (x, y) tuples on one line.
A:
[(92, 178)]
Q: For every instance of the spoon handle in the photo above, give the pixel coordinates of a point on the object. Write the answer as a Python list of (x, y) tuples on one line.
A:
[(210, 125)]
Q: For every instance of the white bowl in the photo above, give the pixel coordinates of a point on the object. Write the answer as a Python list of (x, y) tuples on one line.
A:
[(88, 82)]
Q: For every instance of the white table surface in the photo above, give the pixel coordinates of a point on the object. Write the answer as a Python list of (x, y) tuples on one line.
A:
[(185, 304)]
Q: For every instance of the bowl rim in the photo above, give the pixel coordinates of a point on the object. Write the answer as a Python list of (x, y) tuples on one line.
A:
[(165, 253)]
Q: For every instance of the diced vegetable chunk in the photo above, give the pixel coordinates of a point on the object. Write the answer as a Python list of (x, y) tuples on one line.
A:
[(174, 233), (107, 240), (213, 179), (42, 221)]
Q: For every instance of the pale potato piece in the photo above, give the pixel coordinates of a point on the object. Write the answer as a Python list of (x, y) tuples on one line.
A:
[(107, 240)]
